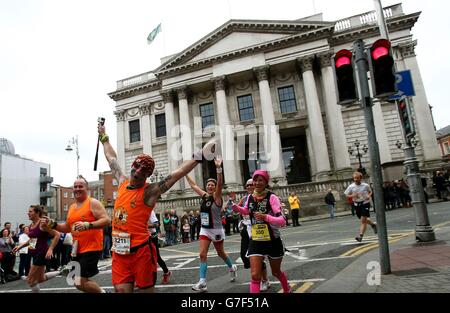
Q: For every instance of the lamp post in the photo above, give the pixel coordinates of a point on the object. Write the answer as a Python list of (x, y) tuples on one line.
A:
[(74, 142), (357, 144)]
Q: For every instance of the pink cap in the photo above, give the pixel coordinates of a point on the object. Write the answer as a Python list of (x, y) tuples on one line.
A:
[(262, 173)]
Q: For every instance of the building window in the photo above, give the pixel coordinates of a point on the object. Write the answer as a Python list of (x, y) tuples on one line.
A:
[(66, 194), (160, 123), (66, 207), (71, 195), (207, 114), (287, 99), (114, 195), (245, 104), (446, 148), (135, 131)]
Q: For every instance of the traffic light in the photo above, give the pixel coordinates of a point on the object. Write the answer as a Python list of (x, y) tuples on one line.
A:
[(382, 69), (344, 74), (406, 119)]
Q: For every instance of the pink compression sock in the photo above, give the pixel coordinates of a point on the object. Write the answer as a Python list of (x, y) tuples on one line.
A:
[(284, 282), (255, 286)]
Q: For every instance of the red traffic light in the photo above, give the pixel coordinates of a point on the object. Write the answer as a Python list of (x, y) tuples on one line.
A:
[(380, 49), (343, 57)]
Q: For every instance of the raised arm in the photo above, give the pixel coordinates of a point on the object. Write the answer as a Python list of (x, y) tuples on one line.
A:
[(218, 193), (194, 186), (111, 155)]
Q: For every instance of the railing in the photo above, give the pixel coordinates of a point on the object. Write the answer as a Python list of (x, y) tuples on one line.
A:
[(305, 189), (367, 18), (135, 80)]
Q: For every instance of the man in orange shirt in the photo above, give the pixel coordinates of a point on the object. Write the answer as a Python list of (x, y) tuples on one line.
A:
[(134, 254), (85, 220)]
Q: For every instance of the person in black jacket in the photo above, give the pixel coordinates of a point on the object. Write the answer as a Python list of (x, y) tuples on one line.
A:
[(331, 202)]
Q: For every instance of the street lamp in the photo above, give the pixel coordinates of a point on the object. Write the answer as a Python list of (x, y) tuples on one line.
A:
[(357, 144), (74, 142)]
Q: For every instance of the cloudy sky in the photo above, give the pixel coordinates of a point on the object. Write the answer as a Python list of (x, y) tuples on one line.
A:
[(60, 58)]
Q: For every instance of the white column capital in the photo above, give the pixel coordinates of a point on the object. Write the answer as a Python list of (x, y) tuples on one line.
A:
[(306, 63), (182, 93), (167, 95), (145, 109), (220, 82), (407, 49), (262, 73), (325, 58), (120, 115)]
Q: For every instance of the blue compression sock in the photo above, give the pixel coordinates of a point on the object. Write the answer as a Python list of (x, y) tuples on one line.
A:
[(203, 268)]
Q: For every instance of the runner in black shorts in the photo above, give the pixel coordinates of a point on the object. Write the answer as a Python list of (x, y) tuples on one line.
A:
[(360, 194), (266, 217)]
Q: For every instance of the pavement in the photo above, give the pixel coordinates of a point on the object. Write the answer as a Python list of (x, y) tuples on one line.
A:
[(416, 267)]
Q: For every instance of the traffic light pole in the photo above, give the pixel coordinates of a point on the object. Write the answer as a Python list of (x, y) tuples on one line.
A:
[(361, 63)]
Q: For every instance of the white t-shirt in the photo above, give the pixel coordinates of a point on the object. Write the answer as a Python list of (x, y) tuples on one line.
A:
[(22, 239), (362, 192)]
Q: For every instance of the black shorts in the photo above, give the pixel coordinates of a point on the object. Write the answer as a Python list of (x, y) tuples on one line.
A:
[(273, 249), (88, 263), (39, 259), (362, 209)]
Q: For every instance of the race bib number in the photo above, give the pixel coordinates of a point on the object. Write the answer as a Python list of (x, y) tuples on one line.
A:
[(121, 242), (33, 242), (260, 232), (204, 218)]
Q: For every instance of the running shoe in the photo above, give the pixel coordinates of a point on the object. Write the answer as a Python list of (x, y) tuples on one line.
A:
[(265, 285), (166, 277), (200, 286), (64, 271), (374, 227), (233, 273), (358, 238)]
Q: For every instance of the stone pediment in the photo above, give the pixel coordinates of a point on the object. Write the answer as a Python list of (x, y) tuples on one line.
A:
[(240, 34)]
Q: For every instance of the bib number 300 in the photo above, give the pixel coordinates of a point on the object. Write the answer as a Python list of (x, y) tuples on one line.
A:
[(260, 232)]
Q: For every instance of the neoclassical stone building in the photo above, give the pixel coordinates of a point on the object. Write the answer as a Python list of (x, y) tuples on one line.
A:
[(254, 73)]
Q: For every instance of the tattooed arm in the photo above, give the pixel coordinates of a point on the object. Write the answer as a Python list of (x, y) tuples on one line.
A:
[(111, 157)]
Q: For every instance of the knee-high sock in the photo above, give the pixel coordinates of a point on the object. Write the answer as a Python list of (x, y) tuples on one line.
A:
[(255, 286), (229, 262), (284, 282), (203, 268)]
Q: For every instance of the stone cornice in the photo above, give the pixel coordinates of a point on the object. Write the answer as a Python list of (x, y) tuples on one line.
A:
[(407, 49), (371, 30), (325, 58), (306, 63), (253, 26), (280, 43), (135, 90), (261, 73)]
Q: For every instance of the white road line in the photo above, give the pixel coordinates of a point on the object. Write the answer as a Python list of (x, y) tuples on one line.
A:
[(184, 262)]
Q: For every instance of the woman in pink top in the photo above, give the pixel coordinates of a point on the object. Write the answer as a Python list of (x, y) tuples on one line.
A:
[(266, 217)]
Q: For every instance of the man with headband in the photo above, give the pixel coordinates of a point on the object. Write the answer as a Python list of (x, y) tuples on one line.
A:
[(134, 254)]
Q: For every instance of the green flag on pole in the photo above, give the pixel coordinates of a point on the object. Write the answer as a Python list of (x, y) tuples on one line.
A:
[(153, 34)]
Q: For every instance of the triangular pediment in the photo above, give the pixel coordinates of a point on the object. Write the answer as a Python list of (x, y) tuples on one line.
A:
[(240, 34)]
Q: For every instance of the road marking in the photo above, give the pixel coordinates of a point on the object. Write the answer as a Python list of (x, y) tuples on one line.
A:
[(282, 291), (304, 287), (300, 256), (184, 262)]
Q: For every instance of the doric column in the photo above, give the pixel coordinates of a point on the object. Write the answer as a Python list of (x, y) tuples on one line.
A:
[(146, 129), (226, 134), (334, 115), (272, 142), (171, 134), (315, 121), (423, 118), (120, 116)]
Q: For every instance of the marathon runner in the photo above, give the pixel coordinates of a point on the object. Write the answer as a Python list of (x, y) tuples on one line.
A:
[(38, 248), (264, 209), (134, 254)]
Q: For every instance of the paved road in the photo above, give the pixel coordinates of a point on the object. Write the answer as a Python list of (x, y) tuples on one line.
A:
[(317, 251)]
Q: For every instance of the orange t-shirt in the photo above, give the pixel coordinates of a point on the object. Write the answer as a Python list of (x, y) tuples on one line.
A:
[(131, 214), (88, 240)]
